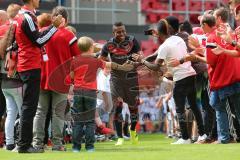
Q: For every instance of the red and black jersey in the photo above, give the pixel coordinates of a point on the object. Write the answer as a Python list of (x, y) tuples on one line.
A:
[(120, 53), (29, 40)]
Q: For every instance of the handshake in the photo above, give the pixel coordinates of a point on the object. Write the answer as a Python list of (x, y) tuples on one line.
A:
[(127, 66)]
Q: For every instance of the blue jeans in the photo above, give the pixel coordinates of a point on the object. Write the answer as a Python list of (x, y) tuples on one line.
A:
[(221, 117), (83, 113), (14, 102), (232, 93), (219, 100)]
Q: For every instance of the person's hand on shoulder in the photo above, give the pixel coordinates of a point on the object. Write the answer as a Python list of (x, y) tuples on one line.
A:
[(57, 21)]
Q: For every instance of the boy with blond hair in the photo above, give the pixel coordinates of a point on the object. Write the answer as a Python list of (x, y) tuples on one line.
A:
[(84, 72)]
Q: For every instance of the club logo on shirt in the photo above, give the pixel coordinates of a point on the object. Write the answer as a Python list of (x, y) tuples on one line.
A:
[(120, 48)]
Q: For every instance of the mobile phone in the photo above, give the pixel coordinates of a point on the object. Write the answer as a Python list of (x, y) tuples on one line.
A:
[(148, 32)]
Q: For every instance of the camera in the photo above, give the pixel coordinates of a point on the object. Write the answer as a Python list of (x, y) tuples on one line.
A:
[(148, 32)]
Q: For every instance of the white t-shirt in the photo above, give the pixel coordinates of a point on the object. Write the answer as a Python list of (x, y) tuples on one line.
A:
[(103, 85), (175, 48)]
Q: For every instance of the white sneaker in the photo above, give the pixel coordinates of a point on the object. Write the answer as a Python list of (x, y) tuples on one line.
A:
[(202, 138), (126, 137), (15, 149), (119, 142), (182, 141)]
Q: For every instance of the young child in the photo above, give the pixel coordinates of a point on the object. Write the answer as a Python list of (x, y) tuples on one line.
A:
[(84, 72)]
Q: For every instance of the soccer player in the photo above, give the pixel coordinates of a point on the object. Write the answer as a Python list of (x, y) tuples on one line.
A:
[(59, 49), (123, 84)]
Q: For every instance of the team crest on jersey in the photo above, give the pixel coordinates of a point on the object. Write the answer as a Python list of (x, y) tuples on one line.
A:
[(122, 48), (223, 42)]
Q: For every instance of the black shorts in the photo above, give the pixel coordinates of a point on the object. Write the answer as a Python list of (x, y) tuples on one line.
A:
[(126, 89)]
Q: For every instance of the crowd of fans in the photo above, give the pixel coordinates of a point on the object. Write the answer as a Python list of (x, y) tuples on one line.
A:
[(58, 88)]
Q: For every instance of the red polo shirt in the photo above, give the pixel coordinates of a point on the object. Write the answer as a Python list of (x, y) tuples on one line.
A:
[(223, 69)]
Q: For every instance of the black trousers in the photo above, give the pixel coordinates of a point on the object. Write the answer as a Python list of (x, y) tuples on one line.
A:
[(209, 116), (31, 89), (183, 89)]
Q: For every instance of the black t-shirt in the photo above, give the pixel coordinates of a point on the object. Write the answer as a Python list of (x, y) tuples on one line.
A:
[(120, 53)]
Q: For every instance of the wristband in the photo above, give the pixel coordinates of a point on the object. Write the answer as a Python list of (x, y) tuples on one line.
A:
[(181, 61), (143, 61), (234, 43)]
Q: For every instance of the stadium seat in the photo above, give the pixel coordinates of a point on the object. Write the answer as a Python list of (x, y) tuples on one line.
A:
[(177, 5), (148, 47)]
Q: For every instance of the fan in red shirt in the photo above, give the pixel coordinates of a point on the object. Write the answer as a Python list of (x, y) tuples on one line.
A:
[(223, 68), (11, 87), (224, 76), (3, 19), (232, 38), (59, 49)]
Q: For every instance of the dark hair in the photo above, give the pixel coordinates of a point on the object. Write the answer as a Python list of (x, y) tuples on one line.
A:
[(223, 13), (162, 27), (173, 22), (59, 10), (209, 20), (186, 26), (25, 1), (208, 12), (118, 24)]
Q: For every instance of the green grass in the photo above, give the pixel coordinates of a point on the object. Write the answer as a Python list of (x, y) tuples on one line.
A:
[(151, 147)]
